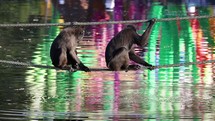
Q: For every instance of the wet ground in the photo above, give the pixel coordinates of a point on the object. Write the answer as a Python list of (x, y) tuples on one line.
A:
[(180, 93)]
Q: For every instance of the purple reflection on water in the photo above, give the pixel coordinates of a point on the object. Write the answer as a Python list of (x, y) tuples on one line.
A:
[(116, 94)]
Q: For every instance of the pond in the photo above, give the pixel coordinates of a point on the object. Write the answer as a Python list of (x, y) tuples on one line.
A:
[(185, 92)]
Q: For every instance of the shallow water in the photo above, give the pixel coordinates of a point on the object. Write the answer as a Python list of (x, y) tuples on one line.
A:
[(181, 93)]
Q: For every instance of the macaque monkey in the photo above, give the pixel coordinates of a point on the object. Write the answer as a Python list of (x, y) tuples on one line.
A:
[(120, 49), (63, 49)]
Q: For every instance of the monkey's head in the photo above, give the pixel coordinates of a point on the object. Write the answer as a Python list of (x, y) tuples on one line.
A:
[(79, 33), (131, 27)]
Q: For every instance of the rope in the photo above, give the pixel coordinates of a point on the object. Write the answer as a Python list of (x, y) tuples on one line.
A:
[(35, 24), (103, 69), (98, 23), (26, 64), (185, 64), (141, 21), (41, 66)]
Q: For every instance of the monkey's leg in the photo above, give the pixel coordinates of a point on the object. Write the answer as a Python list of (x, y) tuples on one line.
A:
[(72, 61), (114, 65), (139, 60), (146, 34), (120, 60), (63, 62)]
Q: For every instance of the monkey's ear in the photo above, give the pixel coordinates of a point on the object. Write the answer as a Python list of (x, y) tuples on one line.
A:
[(82, 27), (79, 27)]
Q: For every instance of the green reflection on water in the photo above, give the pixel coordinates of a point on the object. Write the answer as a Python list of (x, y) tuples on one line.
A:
[(176, 45), (61, 91), (151, 57)]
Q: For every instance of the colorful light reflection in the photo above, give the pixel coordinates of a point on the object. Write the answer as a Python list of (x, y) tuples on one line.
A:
[(160, 92)]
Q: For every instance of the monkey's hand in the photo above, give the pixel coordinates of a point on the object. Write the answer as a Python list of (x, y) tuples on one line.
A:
[(152, 21)]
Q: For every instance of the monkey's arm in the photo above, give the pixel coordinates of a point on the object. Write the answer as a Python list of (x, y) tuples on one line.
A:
[(143, 39), (139, 60), (73, 54)]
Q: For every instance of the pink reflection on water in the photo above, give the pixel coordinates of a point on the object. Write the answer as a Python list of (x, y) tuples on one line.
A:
[(94, 95), (116, 96), (78, 98), (116, 92)]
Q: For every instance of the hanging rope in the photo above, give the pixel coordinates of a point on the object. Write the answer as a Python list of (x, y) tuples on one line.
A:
[(98, 23), (102, 69)]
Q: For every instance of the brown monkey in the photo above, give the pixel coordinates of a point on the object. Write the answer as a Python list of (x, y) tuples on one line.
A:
[(120, 49), (63, 49)]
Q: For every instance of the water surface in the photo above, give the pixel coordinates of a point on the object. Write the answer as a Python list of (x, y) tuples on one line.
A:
[(181, 93)]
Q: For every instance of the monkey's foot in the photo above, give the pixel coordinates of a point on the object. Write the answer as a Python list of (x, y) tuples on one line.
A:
[(133, 67), (70, 69), (150, 67), (84, 68)]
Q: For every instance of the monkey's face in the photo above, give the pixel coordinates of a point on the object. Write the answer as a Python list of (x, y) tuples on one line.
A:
[(80, 35)]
